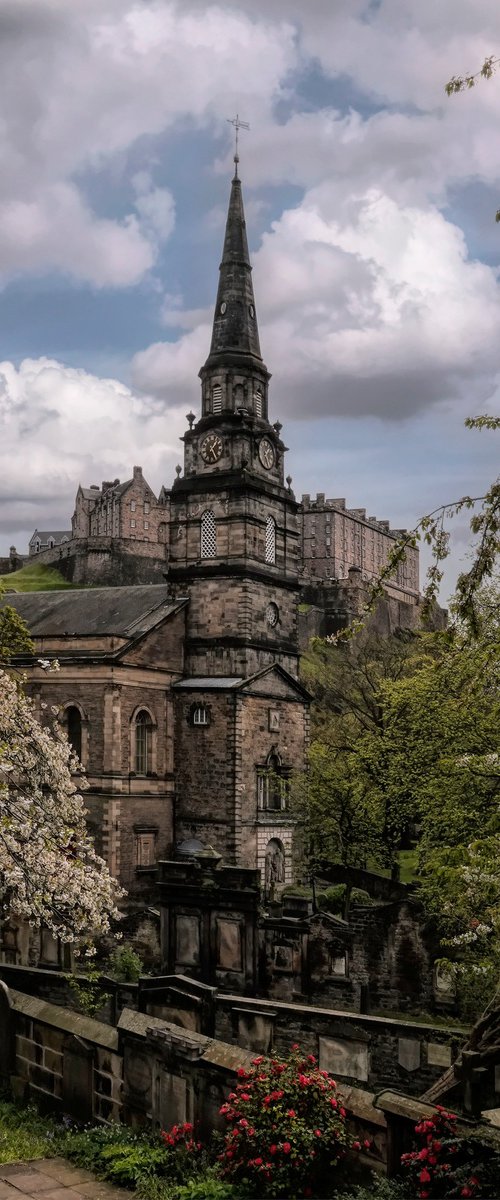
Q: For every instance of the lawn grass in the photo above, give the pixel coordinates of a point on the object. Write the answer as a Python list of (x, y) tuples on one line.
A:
[(24, 1134), (35, 578)]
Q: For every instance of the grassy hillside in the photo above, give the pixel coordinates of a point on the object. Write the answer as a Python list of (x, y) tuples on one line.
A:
[(34, 578)]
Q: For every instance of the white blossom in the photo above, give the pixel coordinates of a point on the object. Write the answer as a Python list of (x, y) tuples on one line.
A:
[(49, 872)]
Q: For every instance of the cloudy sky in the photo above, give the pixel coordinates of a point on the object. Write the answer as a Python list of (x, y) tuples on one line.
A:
[(370, 202)]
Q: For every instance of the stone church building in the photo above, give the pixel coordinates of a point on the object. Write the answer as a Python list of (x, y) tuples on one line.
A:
[(182, 697)]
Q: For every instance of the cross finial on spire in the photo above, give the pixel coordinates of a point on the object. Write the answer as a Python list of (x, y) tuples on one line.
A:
[(237, 125)]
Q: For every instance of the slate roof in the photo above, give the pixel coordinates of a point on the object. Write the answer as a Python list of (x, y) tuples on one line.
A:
[(89, 612), (210, 682), (56, 534)]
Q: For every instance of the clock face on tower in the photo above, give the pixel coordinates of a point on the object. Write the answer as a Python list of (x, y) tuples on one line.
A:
[(266, 454), (211, 448)]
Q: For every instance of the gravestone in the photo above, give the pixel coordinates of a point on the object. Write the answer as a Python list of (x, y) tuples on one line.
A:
[(409, 1054), (77, 1083), (229, 957), (438, 1055), (344, 1056), (187, 950)]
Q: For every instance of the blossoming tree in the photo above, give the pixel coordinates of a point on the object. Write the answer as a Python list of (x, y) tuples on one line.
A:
[(50, 874)]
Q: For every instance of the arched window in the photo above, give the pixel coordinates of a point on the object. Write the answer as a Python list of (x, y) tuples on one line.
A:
[(208, 547), (217, 398), (257, 402), (273, 783), (143, 743), (74, 729), (200, 715), (37, 546), (270, 540)]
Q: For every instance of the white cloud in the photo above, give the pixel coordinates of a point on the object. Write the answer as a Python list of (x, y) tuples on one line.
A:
[(79, 84), (379, 313), (61, 426)]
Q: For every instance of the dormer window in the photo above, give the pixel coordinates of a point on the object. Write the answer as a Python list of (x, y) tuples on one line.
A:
[(257, 402), (217, 398), (50, 543)]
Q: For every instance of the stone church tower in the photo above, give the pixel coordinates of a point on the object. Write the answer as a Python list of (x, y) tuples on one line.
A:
[(234, 549)]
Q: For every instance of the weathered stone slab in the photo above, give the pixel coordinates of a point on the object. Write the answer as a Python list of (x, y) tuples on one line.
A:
[(438, 1055), (409, 1054), (344, 1056), (255, 1031), (229, 945), (173, 1099), (187, 940)]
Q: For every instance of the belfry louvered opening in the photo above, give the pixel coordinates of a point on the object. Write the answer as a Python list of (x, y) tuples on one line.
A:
[(257, 402), (270, 540), (208, 547), (217, 398)]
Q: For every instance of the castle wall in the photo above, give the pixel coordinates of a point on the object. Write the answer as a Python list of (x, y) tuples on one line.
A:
[(107, 562)]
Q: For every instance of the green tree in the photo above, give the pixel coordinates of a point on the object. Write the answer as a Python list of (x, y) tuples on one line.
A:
[(348, 812), (14, 634)]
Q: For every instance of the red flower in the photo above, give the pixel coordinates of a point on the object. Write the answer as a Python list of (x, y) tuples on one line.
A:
[(286, 1147), (241, 1073), (257, 1162), (367, 1144), (311, 1058), (317, 1133), (466, 1191), (273, 1149), (424, 1176), (245, 1096), (356, 1145), (291, 1112), (473, 1181), (257, 1061), (334, 1103), (295, 1046)]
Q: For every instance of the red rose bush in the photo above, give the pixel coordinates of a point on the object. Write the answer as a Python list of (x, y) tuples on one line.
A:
[(286, 1131)]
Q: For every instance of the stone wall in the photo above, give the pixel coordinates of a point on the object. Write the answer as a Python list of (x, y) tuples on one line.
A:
[(107, 561), (145, 1071), (361, 1050)]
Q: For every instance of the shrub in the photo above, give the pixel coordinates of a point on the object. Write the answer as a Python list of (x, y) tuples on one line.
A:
[(286, 1134), (447, 1165), (332, 899), (125, 965)]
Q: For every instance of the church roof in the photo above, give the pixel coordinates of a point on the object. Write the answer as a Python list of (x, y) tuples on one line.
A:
[(235, 328), (88, 612)]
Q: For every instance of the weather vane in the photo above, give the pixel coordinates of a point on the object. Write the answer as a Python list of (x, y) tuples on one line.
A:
[(237, 125)]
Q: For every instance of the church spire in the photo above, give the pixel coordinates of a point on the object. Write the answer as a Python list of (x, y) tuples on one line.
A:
[(235, 333)]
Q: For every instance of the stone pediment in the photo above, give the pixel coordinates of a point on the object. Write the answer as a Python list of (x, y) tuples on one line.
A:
[(274, 681)]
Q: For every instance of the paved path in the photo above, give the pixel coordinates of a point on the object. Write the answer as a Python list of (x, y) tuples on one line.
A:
[(54, 1179)]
